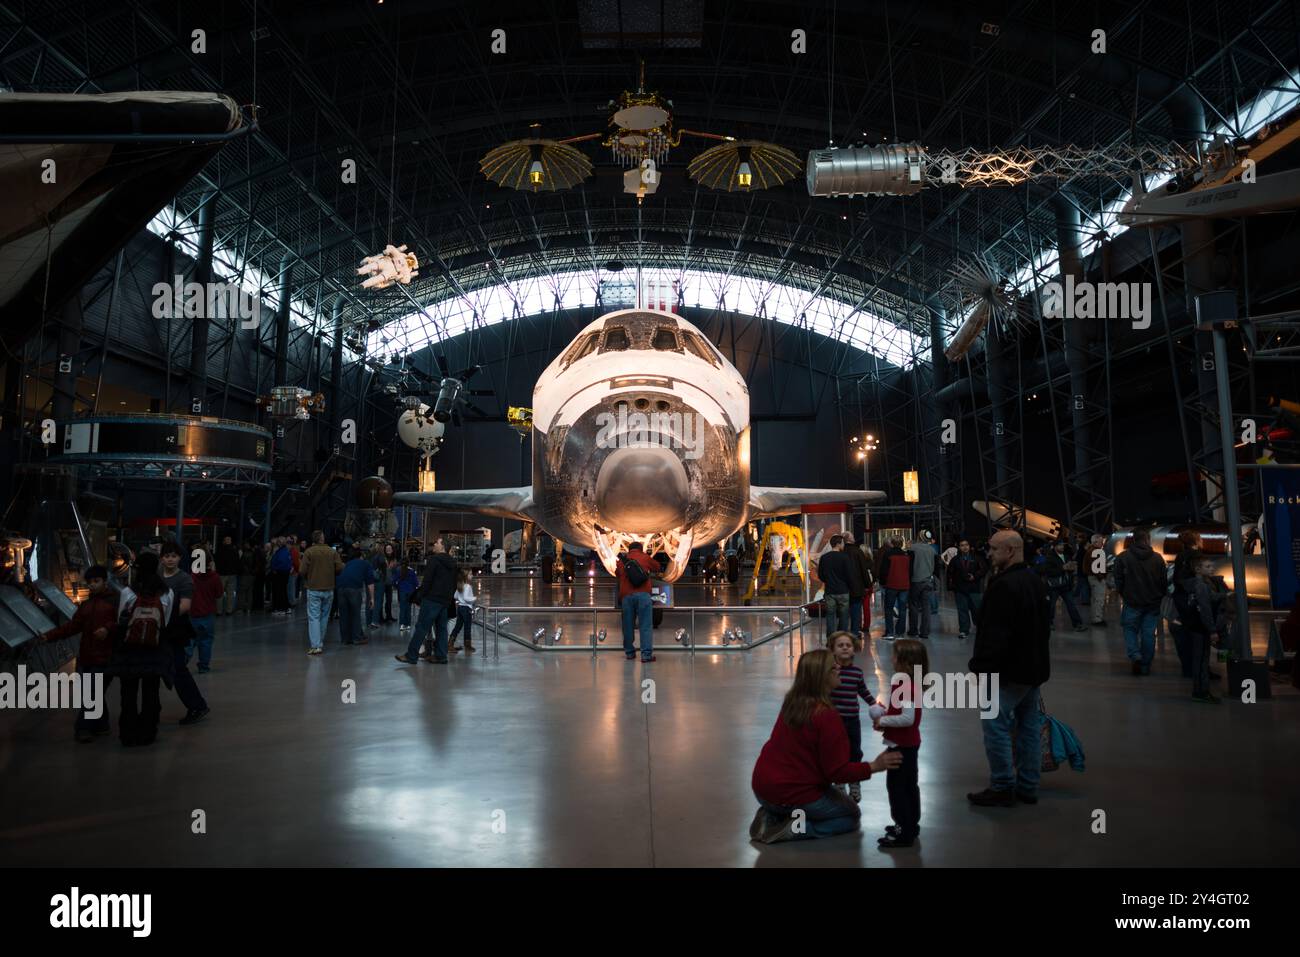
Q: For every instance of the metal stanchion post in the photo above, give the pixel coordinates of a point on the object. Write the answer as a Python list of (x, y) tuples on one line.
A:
[(690, 635), (593, 633)]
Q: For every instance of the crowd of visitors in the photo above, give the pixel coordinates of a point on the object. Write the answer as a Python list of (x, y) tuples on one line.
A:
[(807, 776)]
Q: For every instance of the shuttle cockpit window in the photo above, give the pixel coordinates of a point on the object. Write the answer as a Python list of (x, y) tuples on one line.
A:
[(701, 348), (665, 340), (616, 339), (582, 348)]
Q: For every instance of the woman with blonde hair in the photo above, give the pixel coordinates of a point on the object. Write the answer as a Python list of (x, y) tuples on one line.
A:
[(803, 760)]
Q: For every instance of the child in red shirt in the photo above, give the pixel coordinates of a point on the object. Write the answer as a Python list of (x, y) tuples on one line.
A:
[(900, 725)]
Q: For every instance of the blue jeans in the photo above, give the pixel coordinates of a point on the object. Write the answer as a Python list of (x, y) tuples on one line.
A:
[(319, 604), (404, 610), (833, 813), (1017, 726), (895, 605), (919, 601), (968, 607), (1139, 633), (934, 600), (433, 617), (464, 619), (1083, 590), (293, 590), (837, 613), (638, 613), (855, 614), (204, 631)]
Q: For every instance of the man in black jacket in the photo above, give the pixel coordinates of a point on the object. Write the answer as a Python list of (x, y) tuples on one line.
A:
[(1011, 654), (435, 597), (1058, 570), (228, 568), (860, 582), (833, 570), (1141, 580), (965, 574)]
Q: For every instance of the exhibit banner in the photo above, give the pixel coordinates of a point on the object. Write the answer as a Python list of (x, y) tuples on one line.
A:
[(1280, 488)]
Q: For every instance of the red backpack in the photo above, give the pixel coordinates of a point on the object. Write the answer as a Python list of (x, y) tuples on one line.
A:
[(145, 625)]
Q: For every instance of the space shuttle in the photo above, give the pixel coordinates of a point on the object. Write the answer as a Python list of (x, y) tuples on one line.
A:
[(641, 432)]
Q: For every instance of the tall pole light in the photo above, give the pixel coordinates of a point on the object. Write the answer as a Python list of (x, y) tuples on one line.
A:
[(862, 447)]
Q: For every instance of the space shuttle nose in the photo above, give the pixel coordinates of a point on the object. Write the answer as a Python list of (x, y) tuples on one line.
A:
[(642, 490)]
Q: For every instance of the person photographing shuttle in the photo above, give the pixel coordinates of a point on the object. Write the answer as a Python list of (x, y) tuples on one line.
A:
[(635, 569)]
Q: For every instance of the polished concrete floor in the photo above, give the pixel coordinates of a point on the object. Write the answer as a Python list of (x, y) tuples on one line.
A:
[(547, 759)]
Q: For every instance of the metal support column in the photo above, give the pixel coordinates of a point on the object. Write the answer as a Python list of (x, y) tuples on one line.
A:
[(180, 520), (1214, 310)]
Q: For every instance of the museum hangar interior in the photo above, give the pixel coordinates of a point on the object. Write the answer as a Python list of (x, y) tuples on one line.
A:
[(513, 292)]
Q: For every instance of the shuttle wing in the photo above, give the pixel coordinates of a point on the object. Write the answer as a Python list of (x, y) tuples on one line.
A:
[(497, 502), (768, 502)]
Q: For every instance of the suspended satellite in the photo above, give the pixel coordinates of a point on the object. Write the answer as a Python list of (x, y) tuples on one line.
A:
[(536, 164), (985, 291), (744, 165), (418, 429)]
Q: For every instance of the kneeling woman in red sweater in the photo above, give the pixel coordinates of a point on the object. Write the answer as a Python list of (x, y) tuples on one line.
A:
[(803, 760)]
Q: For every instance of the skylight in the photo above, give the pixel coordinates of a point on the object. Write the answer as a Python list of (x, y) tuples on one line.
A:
[(574, 290)]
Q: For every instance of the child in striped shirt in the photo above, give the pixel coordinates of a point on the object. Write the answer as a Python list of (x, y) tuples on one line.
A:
[(845, 696)]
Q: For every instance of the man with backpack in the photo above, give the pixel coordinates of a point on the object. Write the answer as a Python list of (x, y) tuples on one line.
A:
[(142, 658), (634, 570)]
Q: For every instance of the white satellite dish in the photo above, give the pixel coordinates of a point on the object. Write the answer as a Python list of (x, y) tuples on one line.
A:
[(418, 429)]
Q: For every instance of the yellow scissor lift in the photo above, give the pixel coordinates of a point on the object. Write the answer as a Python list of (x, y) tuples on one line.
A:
[(794, 544)]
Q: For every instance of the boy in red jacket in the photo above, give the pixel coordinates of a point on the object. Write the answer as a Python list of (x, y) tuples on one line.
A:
[(94, 620)]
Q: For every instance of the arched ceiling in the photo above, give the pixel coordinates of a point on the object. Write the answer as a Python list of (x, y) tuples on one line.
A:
[(411, 91)]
